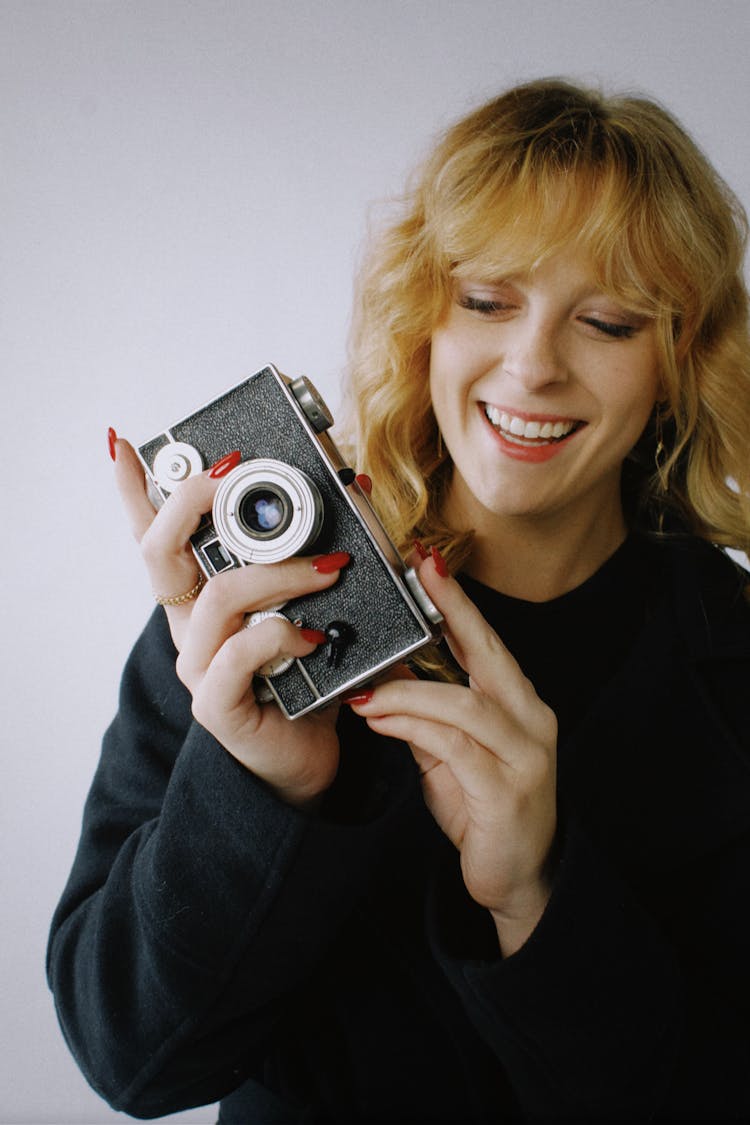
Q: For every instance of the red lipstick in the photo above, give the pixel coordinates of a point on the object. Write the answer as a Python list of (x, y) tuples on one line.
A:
[(533, 452)]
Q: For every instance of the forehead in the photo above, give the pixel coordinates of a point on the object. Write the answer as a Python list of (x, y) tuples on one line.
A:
[(568, 272)]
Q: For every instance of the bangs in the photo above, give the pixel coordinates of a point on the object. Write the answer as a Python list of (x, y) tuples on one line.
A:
[(510, 228), (507, 207)]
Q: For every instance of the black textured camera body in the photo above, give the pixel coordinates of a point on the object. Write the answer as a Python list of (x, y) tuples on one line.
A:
[(377, 603)]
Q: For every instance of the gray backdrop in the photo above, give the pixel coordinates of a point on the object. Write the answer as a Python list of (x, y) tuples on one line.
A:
[(184, 187)]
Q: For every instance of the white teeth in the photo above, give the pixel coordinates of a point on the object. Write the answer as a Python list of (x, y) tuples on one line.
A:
[(510, 424)]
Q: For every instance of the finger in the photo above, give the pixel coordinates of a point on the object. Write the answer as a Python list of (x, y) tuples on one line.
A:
[(224, 697), (221, 609), (473, 717), (164, 535), (131, 484), (519, 763), (166, 546), (476, 769), (417, 554), (475, 645)]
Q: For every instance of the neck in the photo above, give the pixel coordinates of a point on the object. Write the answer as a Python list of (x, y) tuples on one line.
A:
[(537, 560)]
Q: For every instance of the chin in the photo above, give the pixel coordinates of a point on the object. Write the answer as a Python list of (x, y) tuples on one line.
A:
[(500, 503)]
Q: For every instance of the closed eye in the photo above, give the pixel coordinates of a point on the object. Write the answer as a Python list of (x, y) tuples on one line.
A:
[(482, 305), (608, 328)]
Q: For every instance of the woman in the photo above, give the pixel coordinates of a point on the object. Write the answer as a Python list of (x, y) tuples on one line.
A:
[(510, 885)]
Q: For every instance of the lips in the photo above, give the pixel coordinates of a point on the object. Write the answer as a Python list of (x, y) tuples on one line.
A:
[(539, 428), (530, 437)]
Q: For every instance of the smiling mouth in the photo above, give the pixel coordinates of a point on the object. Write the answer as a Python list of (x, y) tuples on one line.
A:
[(530, 432)]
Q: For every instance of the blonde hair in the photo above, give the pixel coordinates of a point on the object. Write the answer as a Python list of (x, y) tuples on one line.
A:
[(544, 165)]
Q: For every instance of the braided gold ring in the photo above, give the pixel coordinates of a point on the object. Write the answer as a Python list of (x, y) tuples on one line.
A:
[(180, 599)]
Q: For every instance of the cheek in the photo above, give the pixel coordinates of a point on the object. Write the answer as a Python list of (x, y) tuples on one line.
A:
[(443, 356), (634, 390), (444, 370), (457, 359), (443, 406), (462, 344)]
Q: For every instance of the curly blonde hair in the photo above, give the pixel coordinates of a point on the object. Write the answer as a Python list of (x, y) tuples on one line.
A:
[(542, 166)]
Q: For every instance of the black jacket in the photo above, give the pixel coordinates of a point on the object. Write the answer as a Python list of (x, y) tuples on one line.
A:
[(214, 943)]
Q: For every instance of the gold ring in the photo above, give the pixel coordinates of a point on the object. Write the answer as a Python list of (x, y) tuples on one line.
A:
[(180, 599)]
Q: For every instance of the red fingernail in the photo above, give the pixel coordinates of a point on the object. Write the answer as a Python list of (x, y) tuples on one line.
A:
[(326, 564), (358, 697), (226, 464), (421, 550), (314, 636), (440, 565), (111, 440), (364, 482)]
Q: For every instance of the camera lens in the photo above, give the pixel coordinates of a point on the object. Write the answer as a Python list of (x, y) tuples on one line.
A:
[(265, 511)]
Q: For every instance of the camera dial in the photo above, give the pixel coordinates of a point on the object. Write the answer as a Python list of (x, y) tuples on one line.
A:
[(273, 667), (313, 406), (175, 462), (266, 511)]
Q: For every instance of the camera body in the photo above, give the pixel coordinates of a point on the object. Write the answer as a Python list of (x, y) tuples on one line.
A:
[(292, 493)]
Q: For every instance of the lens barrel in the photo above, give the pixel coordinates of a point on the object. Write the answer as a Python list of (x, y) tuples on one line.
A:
[(265, 511)]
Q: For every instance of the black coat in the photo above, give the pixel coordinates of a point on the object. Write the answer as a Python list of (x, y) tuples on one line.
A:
[(213, 942)]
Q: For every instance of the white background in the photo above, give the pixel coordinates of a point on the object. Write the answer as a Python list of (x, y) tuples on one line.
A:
[(184, 187)]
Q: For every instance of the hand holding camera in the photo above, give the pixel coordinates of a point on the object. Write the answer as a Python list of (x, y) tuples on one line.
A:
[(273, 530), (218, 658)]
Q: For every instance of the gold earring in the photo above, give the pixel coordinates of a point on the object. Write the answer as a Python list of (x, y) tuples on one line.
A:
[(661, 469)]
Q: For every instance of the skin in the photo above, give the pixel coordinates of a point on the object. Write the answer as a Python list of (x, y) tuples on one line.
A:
[(487, 752)]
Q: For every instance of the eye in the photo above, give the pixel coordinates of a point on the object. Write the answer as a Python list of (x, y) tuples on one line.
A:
[(615, 331), (484, 306)]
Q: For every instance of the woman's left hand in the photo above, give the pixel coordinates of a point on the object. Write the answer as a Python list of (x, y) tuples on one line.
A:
[(487, 755)]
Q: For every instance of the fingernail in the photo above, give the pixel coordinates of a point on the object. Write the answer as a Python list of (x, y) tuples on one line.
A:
[(314, 636), (358, 697), (326, 564), (421, 550), (440, 564), (111, 442), (364, 482), (225, 465)]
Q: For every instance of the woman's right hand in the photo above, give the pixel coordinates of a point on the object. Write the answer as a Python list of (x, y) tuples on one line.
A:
[(218, 656)]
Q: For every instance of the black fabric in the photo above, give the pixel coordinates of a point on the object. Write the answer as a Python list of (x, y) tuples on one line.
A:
[(330, 967), (571, 646)]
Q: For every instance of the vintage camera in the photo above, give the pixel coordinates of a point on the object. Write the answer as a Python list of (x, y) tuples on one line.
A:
[(291, 494)]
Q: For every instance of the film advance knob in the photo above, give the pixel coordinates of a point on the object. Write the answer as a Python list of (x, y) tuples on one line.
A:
[(315, 410)]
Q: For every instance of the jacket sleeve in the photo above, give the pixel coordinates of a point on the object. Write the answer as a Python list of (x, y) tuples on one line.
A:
[(609, 1013), (197, 901)]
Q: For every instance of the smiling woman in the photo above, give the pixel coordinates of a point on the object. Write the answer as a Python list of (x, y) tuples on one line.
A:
[(508, 882), (543, 181)]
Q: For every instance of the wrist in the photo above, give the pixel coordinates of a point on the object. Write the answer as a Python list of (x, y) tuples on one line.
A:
[(517, 919), (304, 802)]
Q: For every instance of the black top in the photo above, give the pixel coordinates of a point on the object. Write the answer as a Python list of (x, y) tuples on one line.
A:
[(571, 646), (213, 943)]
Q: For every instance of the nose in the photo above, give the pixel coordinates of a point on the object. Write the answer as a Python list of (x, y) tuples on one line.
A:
[(533, 356)]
